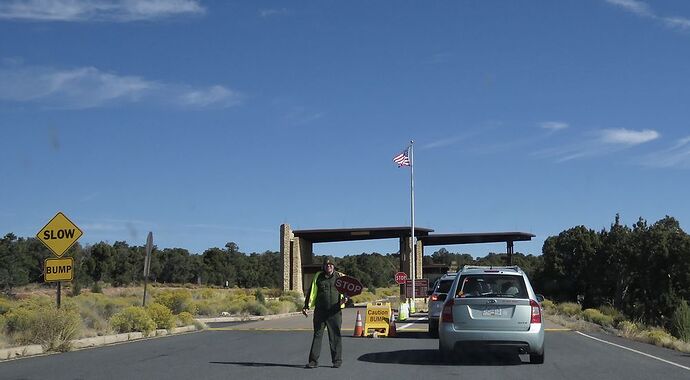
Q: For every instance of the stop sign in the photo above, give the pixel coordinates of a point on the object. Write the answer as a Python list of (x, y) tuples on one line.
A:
[(400, 277), (348, 286)]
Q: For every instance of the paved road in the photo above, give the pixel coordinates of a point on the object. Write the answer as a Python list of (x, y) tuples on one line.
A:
[(251, 351)]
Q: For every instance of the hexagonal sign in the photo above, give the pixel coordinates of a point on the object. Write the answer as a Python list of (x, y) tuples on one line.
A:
[(59, 234)]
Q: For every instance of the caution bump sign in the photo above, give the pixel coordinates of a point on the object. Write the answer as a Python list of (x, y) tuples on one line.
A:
[(59, 234), (58, 269)]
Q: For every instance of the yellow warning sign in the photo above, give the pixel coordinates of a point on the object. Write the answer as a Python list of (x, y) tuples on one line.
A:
[(377, 318), (59, 234), (58, 269)]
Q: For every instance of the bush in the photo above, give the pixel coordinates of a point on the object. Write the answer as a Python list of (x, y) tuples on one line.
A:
[(570, 308), (680, 322), (659, 337), (628, 328), (97, 287), (5, 305), (595, 316), (206, 307), (176, 300), (260, 297), (281, 307), (161, 316), (549, 306), (133, 318), (185, 318), (256, 308), (36, 323)]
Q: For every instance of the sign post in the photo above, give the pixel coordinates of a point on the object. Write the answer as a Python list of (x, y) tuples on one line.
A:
[(59, 235), (147, 263)]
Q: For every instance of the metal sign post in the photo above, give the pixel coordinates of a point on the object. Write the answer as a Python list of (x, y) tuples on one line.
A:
[(147, 263)]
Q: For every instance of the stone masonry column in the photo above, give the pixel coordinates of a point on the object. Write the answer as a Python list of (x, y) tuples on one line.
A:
[(298, 245), (405, 260), (286, 237), (419, 248)]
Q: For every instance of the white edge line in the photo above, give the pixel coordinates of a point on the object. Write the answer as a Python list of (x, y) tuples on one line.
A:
[(635, 351), (410, 324)]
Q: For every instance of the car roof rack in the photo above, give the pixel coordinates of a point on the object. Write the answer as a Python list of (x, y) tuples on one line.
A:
[(491, 267)]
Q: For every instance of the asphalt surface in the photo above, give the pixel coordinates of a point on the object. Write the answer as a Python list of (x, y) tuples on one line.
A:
[(279, 348)]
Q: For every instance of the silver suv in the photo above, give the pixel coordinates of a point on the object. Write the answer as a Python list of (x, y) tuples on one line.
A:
[(436, 298), (492, 308)]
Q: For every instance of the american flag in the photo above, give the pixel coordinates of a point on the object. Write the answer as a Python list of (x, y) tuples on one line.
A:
[(402, 159)]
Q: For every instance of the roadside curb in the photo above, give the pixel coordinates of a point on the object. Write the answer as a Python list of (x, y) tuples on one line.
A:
[(83, 343), (247, 318)]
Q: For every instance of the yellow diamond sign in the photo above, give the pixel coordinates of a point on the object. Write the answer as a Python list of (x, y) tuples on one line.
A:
[(59, 234)]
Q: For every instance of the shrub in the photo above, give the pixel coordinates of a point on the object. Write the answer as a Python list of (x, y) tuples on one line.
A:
[(659, 337), (260, 297), (161, 316), (3, 324), (178, 300), (680, 322), (595, 316), (256, 308), (206, 307), (133, 318), (569, 308), (549, 306), (281, 307), (5, 305), (185, 318), (97, 287), (628, 328), (35, 323)]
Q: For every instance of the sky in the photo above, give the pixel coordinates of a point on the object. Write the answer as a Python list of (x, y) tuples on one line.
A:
[(207, 122)]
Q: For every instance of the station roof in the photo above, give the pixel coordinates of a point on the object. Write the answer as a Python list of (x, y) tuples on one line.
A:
[(350, 234), (476, 237)]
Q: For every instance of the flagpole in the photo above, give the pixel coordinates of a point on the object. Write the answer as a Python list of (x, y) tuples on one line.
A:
[(413, 254)]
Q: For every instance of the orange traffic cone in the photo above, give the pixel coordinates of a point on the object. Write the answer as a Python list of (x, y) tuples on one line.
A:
[(359, 329), (391, 326)]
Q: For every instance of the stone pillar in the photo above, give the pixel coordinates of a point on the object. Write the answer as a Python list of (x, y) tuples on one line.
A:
[(405, 260), (285, 252), (419, 253), (298, 246)]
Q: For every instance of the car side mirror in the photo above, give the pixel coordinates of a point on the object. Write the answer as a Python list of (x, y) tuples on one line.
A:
[(540, 298), (442, 296)]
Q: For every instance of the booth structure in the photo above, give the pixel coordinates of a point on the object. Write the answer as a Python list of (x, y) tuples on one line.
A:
[(296, 247)]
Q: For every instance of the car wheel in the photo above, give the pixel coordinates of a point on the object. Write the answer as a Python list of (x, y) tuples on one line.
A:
[(433, 329), (445, 354), (536, 358)]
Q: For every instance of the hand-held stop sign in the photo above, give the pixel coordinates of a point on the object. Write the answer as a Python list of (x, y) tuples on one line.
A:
[(348, 286)]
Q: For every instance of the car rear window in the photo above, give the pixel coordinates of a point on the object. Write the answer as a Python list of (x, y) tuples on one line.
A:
[(491, 285), (443, 286)]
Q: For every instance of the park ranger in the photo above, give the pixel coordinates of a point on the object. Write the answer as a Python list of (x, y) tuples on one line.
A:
[(327, 303)]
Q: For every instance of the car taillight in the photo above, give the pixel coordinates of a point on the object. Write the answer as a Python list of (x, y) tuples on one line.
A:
[(434, 297), (536, 311), (447, 314)]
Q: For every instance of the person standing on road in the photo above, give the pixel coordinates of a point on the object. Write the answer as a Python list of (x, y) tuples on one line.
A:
[(327, 303)]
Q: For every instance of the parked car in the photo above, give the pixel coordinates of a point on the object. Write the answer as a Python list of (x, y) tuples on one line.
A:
[(437, 295), (492, 308)]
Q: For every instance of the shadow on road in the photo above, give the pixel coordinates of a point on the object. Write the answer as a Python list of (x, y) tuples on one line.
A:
[(432, 357), (255, 364), (399, 335)]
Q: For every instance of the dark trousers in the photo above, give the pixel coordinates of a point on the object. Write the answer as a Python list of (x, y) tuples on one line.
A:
[(331, 320)]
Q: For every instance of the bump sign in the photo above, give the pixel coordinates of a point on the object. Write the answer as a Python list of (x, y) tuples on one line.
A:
[(58, 269), (59, 234)]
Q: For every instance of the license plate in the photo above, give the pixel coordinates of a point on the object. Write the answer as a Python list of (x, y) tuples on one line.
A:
[(491, 312)]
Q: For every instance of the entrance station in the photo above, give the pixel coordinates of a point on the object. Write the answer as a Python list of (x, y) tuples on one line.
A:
[(296, 247)]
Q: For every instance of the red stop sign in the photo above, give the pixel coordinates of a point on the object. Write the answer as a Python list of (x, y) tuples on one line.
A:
[(348, 286), (400, 277)]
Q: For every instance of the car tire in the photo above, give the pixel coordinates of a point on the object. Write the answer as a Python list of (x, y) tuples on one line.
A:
[(536, 358), (445, 354), (433, 328)]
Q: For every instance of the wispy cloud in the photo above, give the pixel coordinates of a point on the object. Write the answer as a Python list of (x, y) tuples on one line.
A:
[(89, 87), (677, 155), (97, 10), (553, 125), (643, 9), (299, 115), (628, 137), (273, 12), (599, 143)]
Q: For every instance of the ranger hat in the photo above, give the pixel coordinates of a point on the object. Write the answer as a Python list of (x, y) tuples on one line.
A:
[(328, 260)]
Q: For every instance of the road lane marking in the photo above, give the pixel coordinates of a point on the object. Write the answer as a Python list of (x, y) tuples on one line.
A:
[(635, 351), (557, 329), (403, 327)]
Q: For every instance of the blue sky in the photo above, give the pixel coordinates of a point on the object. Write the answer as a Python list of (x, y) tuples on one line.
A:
[(214, 121)]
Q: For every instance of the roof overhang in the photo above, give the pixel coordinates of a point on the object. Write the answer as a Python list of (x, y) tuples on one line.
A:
[(474, 238), (351, 234)]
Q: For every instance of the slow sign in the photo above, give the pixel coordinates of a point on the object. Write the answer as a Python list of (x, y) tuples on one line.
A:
[(59, 234), (348, 286)]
